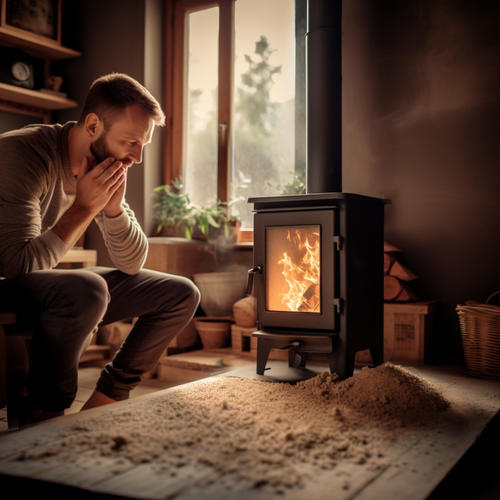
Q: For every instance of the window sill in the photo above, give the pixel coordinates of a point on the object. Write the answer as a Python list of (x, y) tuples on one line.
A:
[(177, 240), (243, 244)]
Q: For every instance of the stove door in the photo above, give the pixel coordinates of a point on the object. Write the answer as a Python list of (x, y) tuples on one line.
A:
[(296, 253)]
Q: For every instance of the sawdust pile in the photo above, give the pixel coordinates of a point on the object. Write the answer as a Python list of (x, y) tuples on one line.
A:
[(388, 394), (261, 433)]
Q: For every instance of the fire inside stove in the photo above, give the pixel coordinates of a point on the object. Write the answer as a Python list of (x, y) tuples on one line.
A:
[(294, 268)]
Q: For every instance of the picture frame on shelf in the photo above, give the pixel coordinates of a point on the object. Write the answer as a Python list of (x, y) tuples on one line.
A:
[(40, 17)]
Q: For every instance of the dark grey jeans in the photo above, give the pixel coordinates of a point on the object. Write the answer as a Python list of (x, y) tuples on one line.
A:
[(66, 306)]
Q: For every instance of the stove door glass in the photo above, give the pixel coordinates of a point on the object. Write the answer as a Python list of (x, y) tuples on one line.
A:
[(293, 260), (294, 250)]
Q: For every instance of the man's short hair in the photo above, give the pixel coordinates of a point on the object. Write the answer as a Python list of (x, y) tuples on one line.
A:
[(110, 94)]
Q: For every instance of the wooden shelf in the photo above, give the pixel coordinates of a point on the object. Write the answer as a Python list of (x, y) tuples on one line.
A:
[(35, 45), (26, 101), (34, 98)]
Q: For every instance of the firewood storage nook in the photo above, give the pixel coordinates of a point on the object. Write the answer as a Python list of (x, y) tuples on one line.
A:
[(318, 276)]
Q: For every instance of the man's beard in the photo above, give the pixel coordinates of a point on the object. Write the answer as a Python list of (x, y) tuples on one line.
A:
[(99, 150)]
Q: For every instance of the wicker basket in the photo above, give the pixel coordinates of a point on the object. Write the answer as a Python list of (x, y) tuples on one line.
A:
[(480, 329)]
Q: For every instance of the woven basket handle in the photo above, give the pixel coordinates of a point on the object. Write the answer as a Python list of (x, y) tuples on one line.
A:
[(494, 294)]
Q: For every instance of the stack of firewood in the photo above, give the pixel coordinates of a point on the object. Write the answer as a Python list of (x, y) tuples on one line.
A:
[(397, 277)]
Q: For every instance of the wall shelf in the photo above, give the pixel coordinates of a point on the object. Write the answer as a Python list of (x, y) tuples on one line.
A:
[(34, 98), (27, 101), (35, 45)]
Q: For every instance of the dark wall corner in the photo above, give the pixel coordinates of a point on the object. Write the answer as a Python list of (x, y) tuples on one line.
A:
[(420, 112)]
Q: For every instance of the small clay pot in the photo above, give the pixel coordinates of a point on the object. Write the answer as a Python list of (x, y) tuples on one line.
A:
[(214, 331)]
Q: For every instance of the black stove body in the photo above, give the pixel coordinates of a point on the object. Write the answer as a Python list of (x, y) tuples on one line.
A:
[(318, 278)]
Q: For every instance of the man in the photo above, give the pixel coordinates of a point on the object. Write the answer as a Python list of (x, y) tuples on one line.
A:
[(56, 179)]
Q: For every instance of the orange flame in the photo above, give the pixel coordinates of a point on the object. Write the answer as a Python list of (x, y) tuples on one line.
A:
[(303, 275)]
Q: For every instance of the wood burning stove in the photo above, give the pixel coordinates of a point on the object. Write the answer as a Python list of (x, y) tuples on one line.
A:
[(318, 257), (318, 277)]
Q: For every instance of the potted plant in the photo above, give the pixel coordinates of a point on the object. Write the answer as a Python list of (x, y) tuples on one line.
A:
[(176, 215), (207, 219), (227, 228), (173, 210), (215, 224)]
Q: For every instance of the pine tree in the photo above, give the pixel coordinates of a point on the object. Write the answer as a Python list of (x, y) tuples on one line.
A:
[(254, 106)]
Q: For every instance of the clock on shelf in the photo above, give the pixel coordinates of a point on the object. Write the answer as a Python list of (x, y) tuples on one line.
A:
[(22, 74)]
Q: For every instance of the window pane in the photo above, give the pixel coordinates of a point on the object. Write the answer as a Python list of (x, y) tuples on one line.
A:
[(263, 160), (200, 120)]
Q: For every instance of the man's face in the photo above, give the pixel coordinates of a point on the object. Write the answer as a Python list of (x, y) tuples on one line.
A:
[(128, 134)]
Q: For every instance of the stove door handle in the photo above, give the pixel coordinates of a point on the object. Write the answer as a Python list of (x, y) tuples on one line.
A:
[(251, 274)]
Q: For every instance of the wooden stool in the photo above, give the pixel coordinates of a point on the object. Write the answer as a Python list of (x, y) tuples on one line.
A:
[(8, 382), (6, 318)]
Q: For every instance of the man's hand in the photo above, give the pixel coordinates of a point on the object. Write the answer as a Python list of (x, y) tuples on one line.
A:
[(97, 187), (114, 205)]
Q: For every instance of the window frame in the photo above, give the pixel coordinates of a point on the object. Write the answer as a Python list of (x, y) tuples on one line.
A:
[(175, 64), (175, 98)]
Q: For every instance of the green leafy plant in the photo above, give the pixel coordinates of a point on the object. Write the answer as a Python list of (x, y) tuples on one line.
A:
[(216, 223), (207, 217), (173, 210)]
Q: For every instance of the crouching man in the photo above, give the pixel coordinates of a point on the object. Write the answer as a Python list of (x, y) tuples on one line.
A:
[(56, 179)]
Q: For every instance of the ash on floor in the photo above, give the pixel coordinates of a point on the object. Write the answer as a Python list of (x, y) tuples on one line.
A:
[(258, 432)]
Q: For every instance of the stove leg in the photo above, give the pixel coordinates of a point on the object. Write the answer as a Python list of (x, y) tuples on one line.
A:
[(263, 350), (341, 362)]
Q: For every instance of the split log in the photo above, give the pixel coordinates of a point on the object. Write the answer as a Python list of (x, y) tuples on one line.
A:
[(388, 248), (396, 290), (406, 295), (401, 272), (245, 311), (392, 287), (396, 277), (389, 260)]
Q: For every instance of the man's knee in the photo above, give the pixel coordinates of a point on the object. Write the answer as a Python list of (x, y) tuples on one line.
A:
[(90, 292), (189, 292), (81, 294)]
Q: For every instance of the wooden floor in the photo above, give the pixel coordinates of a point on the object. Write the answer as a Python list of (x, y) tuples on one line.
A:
[(464, 465), (88, 376), (172, 370)]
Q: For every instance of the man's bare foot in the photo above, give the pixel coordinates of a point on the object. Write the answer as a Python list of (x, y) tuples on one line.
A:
[(97, 399)]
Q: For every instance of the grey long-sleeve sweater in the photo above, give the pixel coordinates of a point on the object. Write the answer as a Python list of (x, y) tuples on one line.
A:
[(36, 188)]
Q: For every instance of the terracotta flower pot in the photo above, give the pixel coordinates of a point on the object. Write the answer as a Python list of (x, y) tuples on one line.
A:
[(214, 331)]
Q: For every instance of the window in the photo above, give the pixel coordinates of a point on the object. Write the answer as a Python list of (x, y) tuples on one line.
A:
[(236, 100), (199, 131)]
